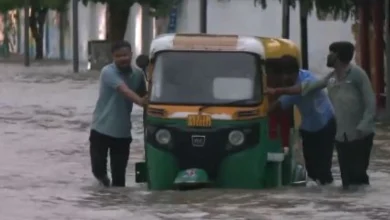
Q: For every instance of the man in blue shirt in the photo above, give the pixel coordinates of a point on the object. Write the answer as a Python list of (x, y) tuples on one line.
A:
[(120, 87), (318, 127), (353, 99)]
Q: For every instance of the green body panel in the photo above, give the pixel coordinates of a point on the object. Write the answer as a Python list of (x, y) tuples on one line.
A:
[(273, 170), (273, 176), (246, 169), (243, 169), (162, 168), (288, 165)]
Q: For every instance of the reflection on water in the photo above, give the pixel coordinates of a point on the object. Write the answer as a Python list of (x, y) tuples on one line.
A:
[(45, 171)]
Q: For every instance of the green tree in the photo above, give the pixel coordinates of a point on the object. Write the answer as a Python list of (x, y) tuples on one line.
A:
[(338, 9), (37, 17), (118, 12)]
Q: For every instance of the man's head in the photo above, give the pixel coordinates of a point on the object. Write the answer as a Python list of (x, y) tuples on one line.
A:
[(340, 53), (289, 67), (122, 55)]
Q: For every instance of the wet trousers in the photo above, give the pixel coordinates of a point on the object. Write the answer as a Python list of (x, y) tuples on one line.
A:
[(118, 148), (354, 159), (318, 152)]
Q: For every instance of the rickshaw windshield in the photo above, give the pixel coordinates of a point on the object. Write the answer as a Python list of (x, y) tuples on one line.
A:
[(206, 78)]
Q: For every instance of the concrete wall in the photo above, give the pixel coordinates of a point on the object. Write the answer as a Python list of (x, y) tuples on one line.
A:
[(241, 17), (91, 27), (224, 17)]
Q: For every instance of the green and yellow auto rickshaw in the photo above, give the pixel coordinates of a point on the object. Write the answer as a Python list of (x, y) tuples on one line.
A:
[(207, 121)]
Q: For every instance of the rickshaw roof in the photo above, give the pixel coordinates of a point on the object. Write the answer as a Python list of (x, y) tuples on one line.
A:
[(278, 47), (206, 42)]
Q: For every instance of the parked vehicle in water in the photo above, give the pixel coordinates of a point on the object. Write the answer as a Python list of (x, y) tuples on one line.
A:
[(207, 122)]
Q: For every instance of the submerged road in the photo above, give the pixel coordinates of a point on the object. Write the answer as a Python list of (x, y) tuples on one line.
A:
[(45, 170)]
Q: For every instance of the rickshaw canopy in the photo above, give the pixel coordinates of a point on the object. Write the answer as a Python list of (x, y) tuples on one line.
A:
[(199, 42)]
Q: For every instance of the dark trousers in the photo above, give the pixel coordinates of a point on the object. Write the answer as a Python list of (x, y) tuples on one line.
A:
[(354, 158), (119, 149), (318, 152)]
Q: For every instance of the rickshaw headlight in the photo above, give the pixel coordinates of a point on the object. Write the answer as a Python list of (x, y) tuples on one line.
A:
[(236, 138), (163, 136)]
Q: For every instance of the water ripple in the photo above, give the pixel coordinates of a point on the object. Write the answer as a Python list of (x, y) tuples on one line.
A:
[(45, 169)]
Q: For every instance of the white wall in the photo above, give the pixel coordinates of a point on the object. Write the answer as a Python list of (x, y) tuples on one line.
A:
[(91, 27), (224, 17), (241, 17), (133, 31), (92, 18)]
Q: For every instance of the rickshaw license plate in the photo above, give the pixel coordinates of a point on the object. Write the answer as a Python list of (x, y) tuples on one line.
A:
[(199, 121)]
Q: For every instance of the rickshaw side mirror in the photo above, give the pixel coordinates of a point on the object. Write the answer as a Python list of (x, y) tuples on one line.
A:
[(142, 61)]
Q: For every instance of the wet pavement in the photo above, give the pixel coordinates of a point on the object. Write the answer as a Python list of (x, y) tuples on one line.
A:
[(45, 171)]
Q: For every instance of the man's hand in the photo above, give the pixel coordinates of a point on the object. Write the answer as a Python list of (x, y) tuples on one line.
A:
[(145, 101), (271, 91)]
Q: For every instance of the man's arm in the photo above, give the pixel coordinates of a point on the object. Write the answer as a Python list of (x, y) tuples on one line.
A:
[(369, 102), (313, 86), (292, 90), (284, 102), (116, 82), (304, 88)]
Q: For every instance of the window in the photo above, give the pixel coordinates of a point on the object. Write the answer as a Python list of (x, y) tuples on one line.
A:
[(205, 77)]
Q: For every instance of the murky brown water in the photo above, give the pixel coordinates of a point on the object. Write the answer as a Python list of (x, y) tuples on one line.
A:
[(45, 170)]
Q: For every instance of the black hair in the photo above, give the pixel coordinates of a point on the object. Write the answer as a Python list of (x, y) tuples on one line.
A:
[(119, 45), (289, 64), (343, 49), (271, 66), (285, 64)]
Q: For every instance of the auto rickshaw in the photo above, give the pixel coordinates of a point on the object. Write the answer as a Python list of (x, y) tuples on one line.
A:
[(207, 123)]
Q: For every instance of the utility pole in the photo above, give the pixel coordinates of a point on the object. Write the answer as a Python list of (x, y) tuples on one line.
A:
[(5, 30), (147, 29), (18, 36), (203, 16), (75, 17), (62, 35), (304, 38), (26, 33), (387, 88), (286, 19)]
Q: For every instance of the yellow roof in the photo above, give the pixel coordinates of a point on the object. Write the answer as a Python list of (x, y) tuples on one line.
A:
[(266, 47), (206, 42)]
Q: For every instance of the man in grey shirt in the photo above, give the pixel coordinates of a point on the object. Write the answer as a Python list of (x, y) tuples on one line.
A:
[(353, 99), (121, 86)]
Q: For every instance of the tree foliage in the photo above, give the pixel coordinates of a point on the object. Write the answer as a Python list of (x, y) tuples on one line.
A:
[(159, 7), (338, 9), (59, 5), (37, 17), (118, 13)]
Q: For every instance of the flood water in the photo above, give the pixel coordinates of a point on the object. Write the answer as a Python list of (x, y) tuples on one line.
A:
[(45, 168)]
